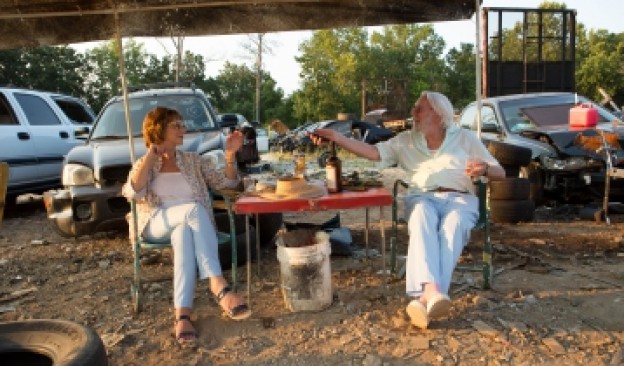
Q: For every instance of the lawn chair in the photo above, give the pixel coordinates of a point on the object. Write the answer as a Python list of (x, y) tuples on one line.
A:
[(222, 238), (483, 223)]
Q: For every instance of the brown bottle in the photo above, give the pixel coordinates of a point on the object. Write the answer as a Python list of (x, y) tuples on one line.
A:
[(333, 170)]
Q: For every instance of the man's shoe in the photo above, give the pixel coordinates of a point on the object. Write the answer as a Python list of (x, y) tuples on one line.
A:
[(418, 314), (438, 305)]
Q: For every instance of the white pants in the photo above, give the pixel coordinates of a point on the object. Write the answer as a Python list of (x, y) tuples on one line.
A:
[(439, 227), (195, 246)]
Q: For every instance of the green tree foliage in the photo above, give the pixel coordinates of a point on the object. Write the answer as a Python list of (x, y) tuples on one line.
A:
[(45, 68), (330, 74), (460, 75), (600, 65), (234, 91)]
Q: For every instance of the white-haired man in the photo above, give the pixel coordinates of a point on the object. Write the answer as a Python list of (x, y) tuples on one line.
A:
[(440, 160)]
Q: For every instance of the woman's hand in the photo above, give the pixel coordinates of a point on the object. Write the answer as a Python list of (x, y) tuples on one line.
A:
[(233, 142), (157, 151)]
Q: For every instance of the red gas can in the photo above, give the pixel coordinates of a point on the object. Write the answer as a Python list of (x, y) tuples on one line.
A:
[(583, 116)]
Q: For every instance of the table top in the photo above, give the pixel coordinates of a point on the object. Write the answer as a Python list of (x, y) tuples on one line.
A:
[(372, 197)]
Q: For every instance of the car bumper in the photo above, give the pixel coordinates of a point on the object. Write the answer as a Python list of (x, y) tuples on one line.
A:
[(80, 211)]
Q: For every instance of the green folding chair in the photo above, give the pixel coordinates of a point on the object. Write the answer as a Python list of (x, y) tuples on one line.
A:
[(223, 238), (483, 223)]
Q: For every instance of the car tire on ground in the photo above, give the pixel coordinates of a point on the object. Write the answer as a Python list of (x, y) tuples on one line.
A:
[(509, 189), (50, 342), (511, 211), (508, 154)]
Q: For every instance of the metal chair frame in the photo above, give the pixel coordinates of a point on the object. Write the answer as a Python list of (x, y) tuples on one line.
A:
[(483, 223)]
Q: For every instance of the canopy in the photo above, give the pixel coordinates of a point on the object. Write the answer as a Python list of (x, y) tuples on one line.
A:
[(33, 23)]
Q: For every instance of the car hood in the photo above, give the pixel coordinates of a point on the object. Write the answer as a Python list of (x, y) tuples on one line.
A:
[(116, 152), (576, 142)]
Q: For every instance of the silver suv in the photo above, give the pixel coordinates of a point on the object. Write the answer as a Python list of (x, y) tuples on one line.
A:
[(37, 129), (94, 173)]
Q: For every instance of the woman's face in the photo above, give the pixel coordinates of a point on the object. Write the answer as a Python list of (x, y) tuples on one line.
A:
[(174, 132)]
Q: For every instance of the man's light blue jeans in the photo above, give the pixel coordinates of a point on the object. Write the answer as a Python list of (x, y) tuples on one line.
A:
[(439, 227)]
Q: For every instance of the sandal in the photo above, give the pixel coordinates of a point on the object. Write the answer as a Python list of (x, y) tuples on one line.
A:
[(238, 312), (185, 338)]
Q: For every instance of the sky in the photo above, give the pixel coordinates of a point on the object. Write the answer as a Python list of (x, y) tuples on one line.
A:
[(280, 61)]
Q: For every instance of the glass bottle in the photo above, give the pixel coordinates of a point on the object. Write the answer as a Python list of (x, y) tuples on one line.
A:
[(333, 171)]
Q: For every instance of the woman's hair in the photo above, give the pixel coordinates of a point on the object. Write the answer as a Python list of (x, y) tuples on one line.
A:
[(441, 105), (155, 123)]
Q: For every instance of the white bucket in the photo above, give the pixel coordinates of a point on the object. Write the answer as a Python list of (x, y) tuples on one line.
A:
[(306, 275)]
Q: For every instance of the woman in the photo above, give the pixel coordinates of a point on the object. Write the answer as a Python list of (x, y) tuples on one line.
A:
[(173, 204)]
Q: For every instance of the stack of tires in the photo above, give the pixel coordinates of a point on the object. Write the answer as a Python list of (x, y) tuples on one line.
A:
[(510, 202), (511, 198)]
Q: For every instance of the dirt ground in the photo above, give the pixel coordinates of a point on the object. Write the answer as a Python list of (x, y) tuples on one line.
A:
[(558, 298)]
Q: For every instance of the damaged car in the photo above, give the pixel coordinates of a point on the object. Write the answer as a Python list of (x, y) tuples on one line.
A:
[(572, 142)]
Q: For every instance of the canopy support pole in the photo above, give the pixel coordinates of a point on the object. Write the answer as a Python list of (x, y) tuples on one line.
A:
[(478, 64)]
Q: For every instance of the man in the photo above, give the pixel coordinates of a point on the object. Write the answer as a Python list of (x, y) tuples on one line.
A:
[(440, 160)]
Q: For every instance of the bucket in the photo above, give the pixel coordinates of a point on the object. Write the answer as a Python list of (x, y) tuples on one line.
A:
[(306, 274)]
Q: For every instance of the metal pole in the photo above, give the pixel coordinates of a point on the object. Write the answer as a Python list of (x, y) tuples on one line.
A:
[(478, 65)]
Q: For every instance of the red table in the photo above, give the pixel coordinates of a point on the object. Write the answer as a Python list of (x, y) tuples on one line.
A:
[(373, 197)]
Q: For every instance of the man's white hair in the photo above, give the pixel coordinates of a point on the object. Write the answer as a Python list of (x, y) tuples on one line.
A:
[(441, 105)]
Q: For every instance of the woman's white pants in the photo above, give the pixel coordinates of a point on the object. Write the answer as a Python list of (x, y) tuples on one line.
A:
[(195, 246)]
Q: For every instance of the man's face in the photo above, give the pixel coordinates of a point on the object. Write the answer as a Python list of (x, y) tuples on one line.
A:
[(424, 116)]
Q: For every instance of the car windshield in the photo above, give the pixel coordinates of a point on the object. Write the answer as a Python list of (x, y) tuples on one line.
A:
[(112, 121), (544, 111)]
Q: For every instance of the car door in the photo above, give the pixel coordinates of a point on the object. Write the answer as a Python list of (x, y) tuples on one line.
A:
[(51, 138), (18, 149)]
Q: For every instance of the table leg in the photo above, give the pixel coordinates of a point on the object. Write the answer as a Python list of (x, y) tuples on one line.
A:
[(257, 246), (382, 231), (248, 248), (366, 235)]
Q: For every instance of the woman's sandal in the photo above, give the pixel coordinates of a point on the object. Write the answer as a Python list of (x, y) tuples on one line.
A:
[(185, 338), (238, 312)]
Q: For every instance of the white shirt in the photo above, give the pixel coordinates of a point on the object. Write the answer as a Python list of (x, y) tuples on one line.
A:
[(172, 187), (443, 168)]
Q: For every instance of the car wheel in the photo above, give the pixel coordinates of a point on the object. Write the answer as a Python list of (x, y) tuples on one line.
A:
[(535, 175), (509, 189), (50, 342), (508, 154)]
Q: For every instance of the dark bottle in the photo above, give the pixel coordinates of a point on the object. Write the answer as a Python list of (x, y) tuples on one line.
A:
[(333, 170)]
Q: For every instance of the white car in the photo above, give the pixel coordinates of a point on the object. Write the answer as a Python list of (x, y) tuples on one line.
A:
[(262, 140), (37, 129)]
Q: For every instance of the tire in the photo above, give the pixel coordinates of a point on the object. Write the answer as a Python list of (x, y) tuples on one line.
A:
[(511, 212), (511, 171), (535, 175), (225, 250), (508, 154), (50, 342), (510, 189)]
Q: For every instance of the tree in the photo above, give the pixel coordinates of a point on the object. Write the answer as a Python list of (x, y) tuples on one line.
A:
[(330, 75), (460, 75), (45, 68), (601, 65)]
